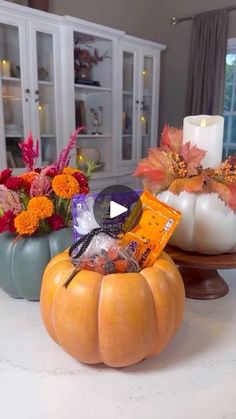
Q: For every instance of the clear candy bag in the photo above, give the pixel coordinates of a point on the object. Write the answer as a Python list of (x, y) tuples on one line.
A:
[(103, 255)]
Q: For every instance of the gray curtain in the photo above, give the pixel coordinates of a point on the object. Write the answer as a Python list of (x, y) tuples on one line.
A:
[(205, 92)]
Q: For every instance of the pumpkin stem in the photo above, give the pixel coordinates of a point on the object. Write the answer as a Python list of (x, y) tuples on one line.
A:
[(72, 275)]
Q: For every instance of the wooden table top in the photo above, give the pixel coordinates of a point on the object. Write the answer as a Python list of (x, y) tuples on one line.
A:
[(197, 260)]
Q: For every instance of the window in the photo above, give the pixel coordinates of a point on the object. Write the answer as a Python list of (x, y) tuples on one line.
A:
[(230, 99)]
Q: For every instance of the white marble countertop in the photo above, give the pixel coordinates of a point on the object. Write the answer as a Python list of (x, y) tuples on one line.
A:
[(194, 378)]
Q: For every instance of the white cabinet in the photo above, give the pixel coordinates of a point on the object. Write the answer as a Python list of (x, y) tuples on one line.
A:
[(116, 97), (29, 86), (90, 89), (58, 73), (139, 93)]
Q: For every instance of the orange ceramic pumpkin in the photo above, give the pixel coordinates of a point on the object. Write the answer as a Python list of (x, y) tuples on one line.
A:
[(117, 319)]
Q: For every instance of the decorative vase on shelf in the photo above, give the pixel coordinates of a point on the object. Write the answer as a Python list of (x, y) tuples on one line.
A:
[(39, 4), (83, 73), (23, 261)]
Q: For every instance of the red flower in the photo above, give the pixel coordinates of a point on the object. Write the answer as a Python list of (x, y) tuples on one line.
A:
[(56, 222), (14, 183), (84, 190), (7, 222), (38, 170), (81, 178), (4, 175), (26, 186), (52, 171)]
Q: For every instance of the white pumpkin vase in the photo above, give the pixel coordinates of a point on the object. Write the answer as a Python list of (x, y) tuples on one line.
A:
[(207, 226)]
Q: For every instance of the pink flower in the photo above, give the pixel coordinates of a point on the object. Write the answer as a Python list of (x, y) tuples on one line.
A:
[(14, 183), (7, 222), (29, 155), (41, 185), (4, 175), (9, 200), (65, 154), (56, 222)]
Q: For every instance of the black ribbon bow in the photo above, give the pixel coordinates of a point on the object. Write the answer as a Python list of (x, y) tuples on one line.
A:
[(84, 242)]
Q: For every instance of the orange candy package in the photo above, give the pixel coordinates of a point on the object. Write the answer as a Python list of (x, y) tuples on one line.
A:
[(148, 238), (145, 234)]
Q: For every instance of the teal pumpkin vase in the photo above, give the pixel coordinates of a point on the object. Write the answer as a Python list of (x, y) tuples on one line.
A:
[(22, 262)]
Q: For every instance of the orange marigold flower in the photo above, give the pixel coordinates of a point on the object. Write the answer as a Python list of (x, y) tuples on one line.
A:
[(26, 223), (69, 170), (28, 177), (65, 186), (41, 207)]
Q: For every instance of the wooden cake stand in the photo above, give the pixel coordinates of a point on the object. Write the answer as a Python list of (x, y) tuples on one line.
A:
[(199, 272)]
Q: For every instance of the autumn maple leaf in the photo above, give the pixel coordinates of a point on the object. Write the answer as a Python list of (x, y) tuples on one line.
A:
[(155, 170), (171, 139), (193, 157), (189, 184), (225, 191)]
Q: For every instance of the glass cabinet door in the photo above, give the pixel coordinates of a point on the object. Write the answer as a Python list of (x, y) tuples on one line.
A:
[(146, 105), (93, 99), (44, 97), (128, 106), (11, 92)]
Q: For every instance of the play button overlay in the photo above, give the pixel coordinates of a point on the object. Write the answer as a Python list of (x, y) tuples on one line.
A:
[(118, 208)]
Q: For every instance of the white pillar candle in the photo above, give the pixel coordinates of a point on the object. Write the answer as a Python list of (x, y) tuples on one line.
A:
[(6, 69), (206, 132)]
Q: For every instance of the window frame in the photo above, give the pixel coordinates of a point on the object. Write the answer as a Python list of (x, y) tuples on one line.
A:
[(231, 47)]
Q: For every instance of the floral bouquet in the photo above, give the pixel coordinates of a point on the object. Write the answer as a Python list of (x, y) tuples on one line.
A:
[(205, 197), (39, 200), (176, 167)]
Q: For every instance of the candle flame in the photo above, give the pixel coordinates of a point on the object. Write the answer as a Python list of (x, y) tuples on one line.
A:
[(203, 122)]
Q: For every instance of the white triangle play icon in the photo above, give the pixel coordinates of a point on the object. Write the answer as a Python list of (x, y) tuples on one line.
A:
[(116, 209)]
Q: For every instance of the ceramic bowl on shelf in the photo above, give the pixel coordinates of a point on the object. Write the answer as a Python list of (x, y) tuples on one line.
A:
[(90, 153)]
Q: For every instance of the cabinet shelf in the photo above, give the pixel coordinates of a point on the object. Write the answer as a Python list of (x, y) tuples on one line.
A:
[(89, 136), (14, 79), (127, 92), (86, 89), (17, 135), (45, 83)]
